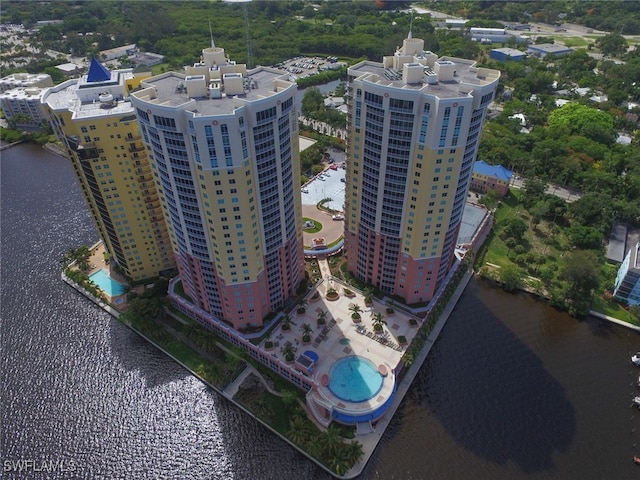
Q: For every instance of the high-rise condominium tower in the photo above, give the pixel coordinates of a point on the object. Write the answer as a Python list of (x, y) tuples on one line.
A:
[(94, 118), (414, 127), (223, 143)]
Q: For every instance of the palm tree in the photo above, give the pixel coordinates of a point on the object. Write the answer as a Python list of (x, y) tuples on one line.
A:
[(302, 303), (407, 358), (157, 305), (322, 316), (314, 446), (286, 322), (288, 353), (378, 321), (332, 441), (298, 430), (262, 406), (306, 332), (289, 398), (215, 373), (368, 296), (355, 311), (354, 451), (339, 463)]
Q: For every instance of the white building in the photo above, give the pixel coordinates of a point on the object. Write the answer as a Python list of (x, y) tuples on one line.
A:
[(23, 106), (25, 80)]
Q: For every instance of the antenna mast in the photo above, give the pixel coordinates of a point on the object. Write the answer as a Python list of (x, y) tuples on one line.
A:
[(213, 45), (248, 39), (411, 26)]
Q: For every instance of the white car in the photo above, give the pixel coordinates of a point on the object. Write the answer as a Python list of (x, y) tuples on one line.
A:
[(635, 358), (338, 217), (304, 190)]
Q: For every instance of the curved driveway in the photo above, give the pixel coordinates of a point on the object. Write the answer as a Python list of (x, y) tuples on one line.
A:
[(332, 230)]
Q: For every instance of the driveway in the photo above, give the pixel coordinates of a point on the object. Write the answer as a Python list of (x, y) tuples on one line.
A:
[(332, 230)]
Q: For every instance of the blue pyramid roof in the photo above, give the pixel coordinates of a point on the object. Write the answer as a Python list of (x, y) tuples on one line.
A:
[(98, 72)]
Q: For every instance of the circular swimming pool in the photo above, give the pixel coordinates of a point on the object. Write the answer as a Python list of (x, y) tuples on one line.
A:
[(354, 379)]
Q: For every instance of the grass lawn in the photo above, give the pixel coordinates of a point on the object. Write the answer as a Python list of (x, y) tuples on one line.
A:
[(574, 41), (613, 309), (315, 229)]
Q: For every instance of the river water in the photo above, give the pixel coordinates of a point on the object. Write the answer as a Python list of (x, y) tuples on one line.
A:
[(512, 389)]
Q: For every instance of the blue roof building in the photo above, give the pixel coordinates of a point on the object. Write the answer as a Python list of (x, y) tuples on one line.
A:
[(490, 177), (505, 54)]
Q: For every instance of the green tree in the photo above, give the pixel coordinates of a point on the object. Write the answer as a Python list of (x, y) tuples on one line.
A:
[(314, 446), (312, 102), (514, 227), (511, 277), (355, 310), (306, 332), (285, 323), (298, 429), (612, 44), (322, 316), (355, 451), (581, 272), (332, 441), (576, 117), (584, 237), (378, 321)]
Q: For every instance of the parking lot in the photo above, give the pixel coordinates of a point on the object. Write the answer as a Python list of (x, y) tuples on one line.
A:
[(306, 66)]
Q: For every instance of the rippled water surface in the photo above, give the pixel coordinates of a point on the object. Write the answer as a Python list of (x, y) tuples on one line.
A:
[(512, 389)]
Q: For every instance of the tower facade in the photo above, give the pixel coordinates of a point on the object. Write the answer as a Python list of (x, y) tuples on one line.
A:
[(414, 128), (95, 120), (223, 143)]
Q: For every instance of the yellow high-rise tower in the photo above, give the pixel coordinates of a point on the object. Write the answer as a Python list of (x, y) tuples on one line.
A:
[(94, 118)]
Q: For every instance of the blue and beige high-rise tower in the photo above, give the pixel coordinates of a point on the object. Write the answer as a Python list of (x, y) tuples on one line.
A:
[(223, 143), (414, 128)]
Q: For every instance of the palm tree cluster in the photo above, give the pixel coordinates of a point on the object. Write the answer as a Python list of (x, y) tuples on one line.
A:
[(328, 446)]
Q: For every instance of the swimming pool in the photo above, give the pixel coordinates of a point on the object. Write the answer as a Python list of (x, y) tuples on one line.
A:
[(354, 379), (107, 284)]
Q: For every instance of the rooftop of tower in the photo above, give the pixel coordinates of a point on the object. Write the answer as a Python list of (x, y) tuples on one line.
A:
[(87, 98), (464, 76), (412, 67), (211, 97)]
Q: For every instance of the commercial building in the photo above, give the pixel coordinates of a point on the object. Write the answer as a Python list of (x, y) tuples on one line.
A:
[(490, 35), (506, 54), (223, 143), (414, 128), (487, 177), (627, 286), (544, 49), (94, 118)]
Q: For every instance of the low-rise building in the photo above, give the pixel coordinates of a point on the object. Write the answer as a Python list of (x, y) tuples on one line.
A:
[(25, 80), (490, 177), (506, 54), (22, 107), (544, 49), (627, 286), (117, 52)]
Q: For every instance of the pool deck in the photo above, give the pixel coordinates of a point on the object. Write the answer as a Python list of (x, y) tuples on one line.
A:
[(97, 262), (328, 341)]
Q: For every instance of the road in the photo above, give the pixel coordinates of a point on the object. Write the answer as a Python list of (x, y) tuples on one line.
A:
[(557, 190)]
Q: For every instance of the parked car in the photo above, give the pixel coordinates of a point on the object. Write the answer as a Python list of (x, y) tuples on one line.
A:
[(338, 216)]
